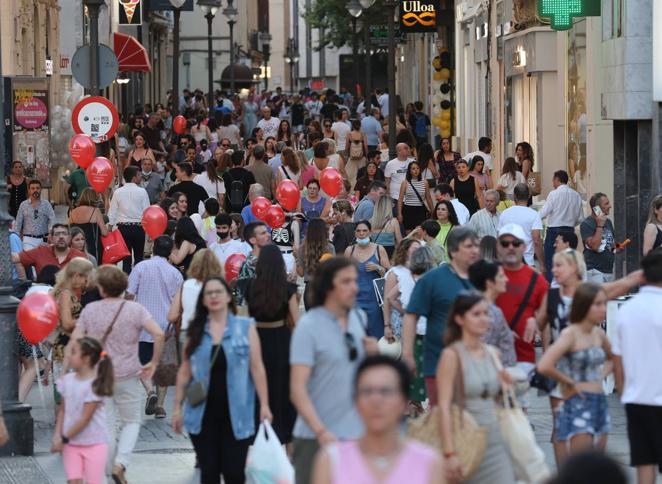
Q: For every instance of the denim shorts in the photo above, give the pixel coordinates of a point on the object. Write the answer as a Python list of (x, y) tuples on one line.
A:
[(586, 413)]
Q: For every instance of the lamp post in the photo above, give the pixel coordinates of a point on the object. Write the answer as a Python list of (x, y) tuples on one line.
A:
[(93, 7), (209, 8), (366, 4), (292, 59), (265, 39), (16, 414), (176, 11), (355, 10), (231, 13)]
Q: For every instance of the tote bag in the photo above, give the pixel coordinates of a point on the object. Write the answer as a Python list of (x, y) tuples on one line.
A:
[(114, 248)]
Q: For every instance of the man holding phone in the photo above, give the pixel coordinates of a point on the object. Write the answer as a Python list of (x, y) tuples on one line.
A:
[(597, 233)]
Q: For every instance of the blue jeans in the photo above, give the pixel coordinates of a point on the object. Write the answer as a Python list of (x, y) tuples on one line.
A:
[(550, 238)]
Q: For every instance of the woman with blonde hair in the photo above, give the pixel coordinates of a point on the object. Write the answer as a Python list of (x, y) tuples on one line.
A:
[(385, 227), (204, 265), (335, 160), (70, 283), (290, 169), (89, 219), (653, 230)]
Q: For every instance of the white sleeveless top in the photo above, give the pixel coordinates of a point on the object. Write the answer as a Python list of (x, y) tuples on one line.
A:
[(190, 292)]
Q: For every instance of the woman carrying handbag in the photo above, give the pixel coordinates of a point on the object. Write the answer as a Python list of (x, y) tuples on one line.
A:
[(466, 373)]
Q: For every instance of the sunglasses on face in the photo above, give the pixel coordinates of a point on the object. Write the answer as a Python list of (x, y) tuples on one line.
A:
[(36, 214), (352, 350), (225, 146), (507, 243)]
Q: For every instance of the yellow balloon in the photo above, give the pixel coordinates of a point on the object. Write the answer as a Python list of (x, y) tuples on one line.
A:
[(446, 115), (445, 73), (437, 122), (445, 133), (445, 124), (437, 75)]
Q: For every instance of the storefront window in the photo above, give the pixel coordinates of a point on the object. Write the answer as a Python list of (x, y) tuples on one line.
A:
[(577, 119)]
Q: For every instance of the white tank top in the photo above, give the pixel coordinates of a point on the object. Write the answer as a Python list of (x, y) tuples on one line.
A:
[(190, 293)]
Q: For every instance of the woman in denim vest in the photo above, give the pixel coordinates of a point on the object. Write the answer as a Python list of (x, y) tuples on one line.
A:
[(222, 352)]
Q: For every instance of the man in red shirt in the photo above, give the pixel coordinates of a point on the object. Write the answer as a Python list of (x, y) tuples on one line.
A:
[(57, 253), (526, 293)]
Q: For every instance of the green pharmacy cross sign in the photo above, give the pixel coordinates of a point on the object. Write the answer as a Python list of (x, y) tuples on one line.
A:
[(561, 12)]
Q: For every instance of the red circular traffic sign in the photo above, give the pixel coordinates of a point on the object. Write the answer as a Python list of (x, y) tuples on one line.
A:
[(96, 117)]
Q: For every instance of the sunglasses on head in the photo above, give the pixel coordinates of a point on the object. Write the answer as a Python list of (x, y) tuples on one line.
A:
[(507, 243)]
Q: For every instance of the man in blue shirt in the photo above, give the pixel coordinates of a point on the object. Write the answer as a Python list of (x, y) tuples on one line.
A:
[(432, 297), (366, 207), (372, 128)]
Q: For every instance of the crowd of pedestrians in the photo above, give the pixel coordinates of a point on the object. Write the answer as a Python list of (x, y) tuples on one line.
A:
[(435, 253)]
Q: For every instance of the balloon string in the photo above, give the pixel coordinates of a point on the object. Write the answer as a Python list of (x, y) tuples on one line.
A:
[(36, 365)]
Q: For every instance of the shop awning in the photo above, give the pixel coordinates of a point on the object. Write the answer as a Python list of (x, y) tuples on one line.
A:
[(131, 55)]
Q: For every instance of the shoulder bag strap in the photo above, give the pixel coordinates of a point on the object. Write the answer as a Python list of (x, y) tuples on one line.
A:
[(112, 323), (417, 194), (282, 167), (459, 378), (525, 301)]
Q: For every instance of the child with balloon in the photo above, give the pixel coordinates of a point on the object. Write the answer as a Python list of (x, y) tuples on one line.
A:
[(81, 431)]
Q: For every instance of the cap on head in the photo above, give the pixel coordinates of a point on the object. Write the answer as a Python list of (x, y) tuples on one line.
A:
[(514, 230)]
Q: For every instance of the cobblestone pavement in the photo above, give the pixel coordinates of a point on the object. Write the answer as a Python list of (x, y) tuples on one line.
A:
[(165, 457)]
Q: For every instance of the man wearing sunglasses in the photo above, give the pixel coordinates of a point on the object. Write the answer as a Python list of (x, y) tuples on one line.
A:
[(523, 303), (35, 217), (328, 343)]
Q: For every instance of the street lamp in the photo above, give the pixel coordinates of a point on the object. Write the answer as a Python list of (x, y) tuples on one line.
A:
[(355, 10), (209, 8), (391, 5), (366, 4), (176, 10), (231, 13), (292, 59), (265, 39)]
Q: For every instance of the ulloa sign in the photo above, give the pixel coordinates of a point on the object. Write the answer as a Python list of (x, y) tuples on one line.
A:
[(418, 15)]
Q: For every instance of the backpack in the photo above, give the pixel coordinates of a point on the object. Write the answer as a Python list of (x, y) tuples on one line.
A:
[(421, 128), (236, 197), (355, 149)]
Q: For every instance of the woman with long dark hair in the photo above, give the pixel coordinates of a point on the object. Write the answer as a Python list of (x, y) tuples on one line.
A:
[(169, 206), (222, 358), (284, 132), (524, 156), (510, 177), (314, 246), (465, 356), (446, 159), (414, 201), (444, 214), (229, 130), (187, 242), (425, 158), (273, 302), (212, 178), (467, 188)]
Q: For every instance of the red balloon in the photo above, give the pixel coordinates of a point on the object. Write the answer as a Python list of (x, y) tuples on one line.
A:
[(233, 266), (99, 174), (154, 221), (82, 150), (179, 124), (259, 207), (37, 316), (288, 195), (331, 181), (275, 217)]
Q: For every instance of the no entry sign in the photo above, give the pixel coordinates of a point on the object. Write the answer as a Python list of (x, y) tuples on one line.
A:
[(97, 117)]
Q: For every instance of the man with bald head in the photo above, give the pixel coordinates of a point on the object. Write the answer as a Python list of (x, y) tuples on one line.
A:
[(268, 123), (396, 170), (255, 190)]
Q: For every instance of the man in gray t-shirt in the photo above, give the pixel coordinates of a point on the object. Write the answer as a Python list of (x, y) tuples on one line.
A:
[(327, 345), (597, 234)]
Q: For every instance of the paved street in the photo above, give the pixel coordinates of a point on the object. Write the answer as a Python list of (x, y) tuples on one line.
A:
[(167, 458)]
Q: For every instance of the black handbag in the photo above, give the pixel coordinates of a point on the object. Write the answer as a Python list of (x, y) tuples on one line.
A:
[(541, 382)]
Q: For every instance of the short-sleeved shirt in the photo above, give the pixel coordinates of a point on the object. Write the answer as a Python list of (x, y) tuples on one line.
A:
[(318, 342), (15, 246), (603, 258), (396, 170), (518, 282), (364, 210), (528, 219), (194, 194), (44, 255), (264, 175), (372, 129), (122, 341), (76, 393), (432, 297)]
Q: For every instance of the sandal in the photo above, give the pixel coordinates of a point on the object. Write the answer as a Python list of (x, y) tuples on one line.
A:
[(150, 405), (160, 412), (118, 474)]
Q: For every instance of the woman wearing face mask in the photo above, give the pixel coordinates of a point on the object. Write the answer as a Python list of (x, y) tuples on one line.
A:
[(373, 263)]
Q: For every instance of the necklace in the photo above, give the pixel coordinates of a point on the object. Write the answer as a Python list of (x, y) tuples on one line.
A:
[(481, 371), (381, 462)]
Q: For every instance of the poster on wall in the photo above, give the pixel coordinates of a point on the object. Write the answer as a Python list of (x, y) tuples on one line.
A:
[(30, 128)]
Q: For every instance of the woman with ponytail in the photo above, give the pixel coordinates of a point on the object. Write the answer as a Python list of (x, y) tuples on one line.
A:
[(80, 431)]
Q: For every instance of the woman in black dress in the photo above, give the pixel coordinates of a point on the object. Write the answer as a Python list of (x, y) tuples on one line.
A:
[(187, 242), (274, 303), (17, 186), (467, 188)]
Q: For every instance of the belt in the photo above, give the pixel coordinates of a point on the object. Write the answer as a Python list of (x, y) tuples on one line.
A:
[(271, 325), (35, 236), (289, 251), (129, 223)]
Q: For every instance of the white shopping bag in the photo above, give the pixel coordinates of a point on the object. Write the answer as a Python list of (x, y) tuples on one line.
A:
[(267, 462)]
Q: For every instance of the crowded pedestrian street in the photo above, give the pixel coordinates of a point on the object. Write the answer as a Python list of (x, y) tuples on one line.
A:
[(330, 242)]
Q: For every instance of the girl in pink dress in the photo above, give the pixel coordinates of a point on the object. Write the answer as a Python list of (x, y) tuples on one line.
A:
[(382, 455), (80, 431)]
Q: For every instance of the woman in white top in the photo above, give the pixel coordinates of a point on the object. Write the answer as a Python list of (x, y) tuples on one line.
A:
[(290, 168), (510, 177), (229, 130), (203, 266), (211, 180), (200, 131), (335, 160)]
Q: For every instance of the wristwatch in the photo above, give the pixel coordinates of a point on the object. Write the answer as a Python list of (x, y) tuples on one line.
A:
[(65, 440)]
